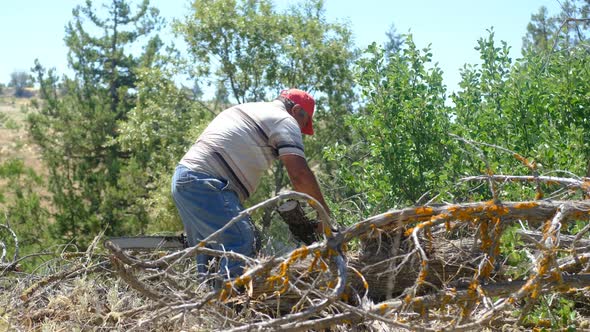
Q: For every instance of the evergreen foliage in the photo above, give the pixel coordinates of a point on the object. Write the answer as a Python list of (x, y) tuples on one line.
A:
[(77, 131)]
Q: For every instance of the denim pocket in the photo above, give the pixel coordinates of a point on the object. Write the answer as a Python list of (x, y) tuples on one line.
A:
[(209, 184), (183, 179)]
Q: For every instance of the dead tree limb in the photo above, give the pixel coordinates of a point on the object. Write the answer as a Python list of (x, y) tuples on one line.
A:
[(429, 256)]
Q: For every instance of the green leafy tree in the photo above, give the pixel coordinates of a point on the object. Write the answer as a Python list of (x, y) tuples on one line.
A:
[(479, 104), (535, 107), (77, 131), (400, 134), (493, 108), (547, 107)]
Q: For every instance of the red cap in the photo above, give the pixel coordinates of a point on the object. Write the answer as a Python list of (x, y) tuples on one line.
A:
[(307, 103)]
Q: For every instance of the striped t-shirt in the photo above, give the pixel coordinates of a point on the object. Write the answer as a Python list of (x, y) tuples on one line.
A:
[(240, 144)]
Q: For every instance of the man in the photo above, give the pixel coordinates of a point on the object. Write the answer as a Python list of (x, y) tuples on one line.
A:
[(225, 165)]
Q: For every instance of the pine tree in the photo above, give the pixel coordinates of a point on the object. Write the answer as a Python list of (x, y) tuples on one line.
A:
[(77, 131)]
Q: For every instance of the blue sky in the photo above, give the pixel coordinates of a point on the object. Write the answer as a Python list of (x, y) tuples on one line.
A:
[(35, 28)]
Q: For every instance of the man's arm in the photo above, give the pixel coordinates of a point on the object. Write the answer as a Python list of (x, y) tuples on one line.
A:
[(302, 178)]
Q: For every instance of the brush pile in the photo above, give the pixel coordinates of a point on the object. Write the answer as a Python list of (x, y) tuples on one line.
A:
[(434, 267)]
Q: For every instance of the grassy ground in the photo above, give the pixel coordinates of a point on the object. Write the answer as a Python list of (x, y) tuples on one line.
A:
[(14, 141)]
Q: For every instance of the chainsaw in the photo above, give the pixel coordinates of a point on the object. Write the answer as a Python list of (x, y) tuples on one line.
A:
[(300, 226)]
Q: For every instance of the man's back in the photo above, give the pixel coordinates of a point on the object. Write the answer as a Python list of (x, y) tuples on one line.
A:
[(240, 144)]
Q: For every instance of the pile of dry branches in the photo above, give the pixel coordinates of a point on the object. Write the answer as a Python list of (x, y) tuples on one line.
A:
[(432, 267)]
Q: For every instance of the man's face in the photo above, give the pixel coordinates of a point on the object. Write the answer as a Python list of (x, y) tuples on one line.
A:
[(300, 116)]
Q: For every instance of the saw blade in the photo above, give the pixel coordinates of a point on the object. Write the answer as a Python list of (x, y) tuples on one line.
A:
[(149, 242)]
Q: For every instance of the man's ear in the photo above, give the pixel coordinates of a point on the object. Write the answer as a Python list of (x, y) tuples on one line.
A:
[(293, 110)]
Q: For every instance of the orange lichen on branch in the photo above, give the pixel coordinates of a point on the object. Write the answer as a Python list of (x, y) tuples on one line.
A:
[(223, 295), (408, 299), (464, 213), (423, 273), (360, 275), (535, 291), (430, 238), (422, 225), (418, 305), (531, 165), (285, 286), (316, 255), (425, 224), (556, 277), (543, 266), (484, 235), (497, 235), (439, 217), (526, 205), (493, 209), (327, 230), (282, 278), (226, 292), (471, 298), (299, 253), (242, 280), (546, 228), (424, 210), (409, 231), (383, 307)]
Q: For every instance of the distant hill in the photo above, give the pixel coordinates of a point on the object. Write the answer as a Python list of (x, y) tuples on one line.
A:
[(8, 92)]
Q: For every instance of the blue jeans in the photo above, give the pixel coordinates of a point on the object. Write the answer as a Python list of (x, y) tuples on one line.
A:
[(205, 204)]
